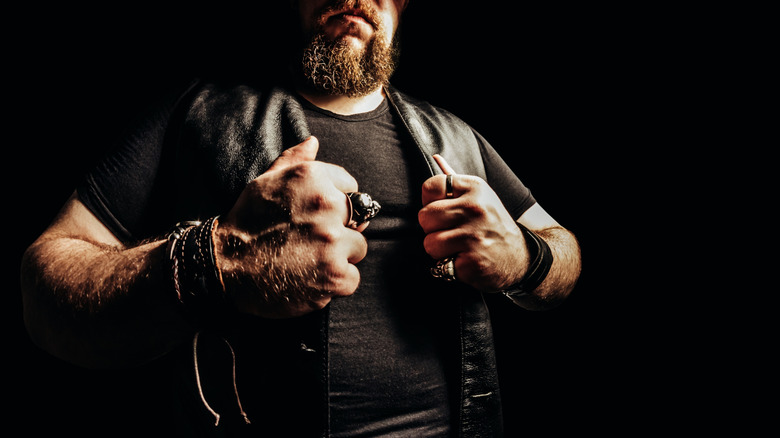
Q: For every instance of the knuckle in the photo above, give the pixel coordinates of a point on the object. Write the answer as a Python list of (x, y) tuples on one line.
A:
[(471, 182), (339, 281), (255, 188), (358, 249), (431, 217), (430, 243), (317, 202), (433, 184), (471, 239), (472, 210), (424, 217), (429, 183), (300, 171), (328, 236), (323, 201)]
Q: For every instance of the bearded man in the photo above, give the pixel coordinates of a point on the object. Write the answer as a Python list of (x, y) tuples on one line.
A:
[(314, 252)]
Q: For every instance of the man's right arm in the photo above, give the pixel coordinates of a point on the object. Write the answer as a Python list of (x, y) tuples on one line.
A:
[(92, 301), (283, 250)]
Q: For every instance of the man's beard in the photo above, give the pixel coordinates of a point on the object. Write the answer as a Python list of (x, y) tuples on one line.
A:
[(336, 68)]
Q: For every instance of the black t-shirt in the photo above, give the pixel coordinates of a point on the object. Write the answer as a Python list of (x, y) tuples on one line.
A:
[(387, 380), (388, 345)]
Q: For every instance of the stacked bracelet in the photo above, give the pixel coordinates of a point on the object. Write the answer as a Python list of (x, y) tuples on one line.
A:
[(541, 260), (196, 278)]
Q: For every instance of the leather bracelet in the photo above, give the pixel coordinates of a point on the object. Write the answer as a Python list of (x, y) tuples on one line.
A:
[(196, 278), (541, 261)]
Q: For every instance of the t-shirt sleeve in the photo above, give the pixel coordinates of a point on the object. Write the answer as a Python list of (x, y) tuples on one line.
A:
[(120, 189), (517, 198)]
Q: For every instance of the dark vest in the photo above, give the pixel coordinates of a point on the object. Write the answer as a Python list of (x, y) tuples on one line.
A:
[(230, 134)]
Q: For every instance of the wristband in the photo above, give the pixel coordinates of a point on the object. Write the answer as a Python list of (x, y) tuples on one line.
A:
[(541, 260), (196, 278)]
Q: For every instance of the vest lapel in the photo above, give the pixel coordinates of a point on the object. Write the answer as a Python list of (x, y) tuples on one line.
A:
[(436, 131)]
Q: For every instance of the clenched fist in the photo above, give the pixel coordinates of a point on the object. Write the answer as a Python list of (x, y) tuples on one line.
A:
[(471, 225), (283, 248)]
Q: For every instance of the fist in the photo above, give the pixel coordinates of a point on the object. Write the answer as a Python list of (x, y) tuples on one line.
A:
[(283, 248), (471, 225)]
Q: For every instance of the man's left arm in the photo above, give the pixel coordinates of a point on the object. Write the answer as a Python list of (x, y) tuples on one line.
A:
[(492, 251)]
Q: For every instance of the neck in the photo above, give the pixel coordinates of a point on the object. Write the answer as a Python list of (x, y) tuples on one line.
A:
[(346, 105)]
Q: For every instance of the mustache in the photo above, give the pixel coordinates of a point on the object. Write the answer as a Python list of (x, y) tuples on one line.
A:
[(363, 8)]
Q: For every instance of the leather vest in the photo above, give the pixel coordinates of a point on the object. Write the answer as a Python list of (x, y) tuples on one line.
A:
[(230, 134)]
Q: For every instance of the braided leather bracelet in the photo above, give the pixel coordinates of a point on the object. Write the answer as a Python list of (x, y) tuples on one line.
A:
[(196, 278)]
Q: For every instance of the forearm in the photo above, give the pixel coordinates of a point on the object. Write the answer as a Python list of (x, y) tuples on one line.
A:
[(563, 274), (99, 306)]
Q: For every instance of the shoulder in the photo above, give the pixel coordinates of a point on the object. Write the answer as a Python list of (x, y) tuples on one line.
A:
[(211, 95), (219, 106)]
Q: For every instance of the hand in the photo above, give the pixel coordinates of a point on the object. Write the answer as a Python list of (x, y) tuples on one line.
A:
[(474, 227), (283, 248)]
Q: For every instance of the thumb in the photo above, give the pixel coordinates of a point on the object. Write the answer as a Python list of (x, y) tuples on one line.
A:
[(304, 151)]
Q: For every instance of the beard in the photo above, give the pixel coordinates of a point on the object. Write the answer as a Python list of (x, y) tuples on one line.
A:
[(336, 68)]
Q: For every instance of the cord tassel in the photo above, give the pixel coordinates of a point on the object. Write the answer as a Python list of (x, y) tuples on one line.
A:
[(200, 387)]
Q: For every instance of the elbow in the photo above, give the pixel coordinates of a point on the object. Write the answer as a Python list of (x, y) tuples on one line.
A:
[(61, 318), (34, 322), (40, 328), (44, 320)]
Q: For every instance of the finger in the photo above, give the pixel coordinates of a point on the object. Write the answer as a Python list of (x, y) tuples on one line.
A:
[(302, 152), (436, 187), (439, 216), (446, 243), (343, 285), (440, 186), (340, 178), (358, 246), (445, 167), (337, 272)]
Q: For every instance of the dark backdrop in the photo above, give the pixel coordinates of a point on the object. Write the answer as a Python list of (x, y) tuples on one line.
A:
[(568, 96)]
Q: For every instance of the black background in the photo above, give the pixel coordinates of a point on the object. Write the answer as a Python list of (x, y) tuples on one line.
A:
[(585, 103)]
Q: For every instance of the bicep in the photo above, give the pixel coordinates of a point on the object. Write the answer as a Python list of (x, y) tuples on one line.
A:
[(76, 221), (536, 218)]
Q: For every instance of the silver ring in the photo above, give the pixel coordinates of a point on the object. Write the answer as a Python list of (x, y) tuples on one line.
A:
[(445, 268), (448, 190), (362, 208)]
